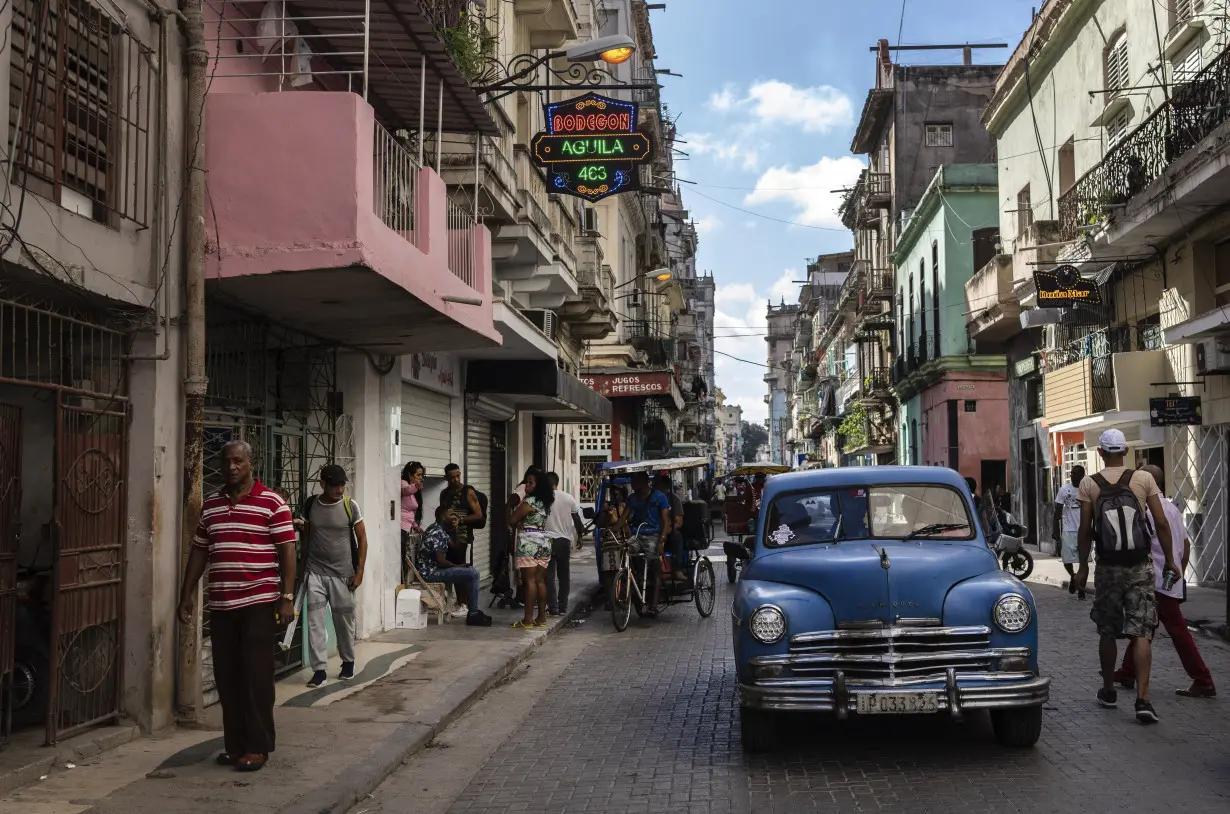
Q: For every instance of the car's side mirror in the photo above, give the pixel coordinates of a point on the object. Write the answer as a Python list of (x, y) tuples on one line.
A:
[(588, 512)]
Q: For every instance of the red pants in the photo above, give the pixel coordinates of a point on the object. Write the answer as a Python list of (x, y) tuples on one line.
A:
[(1170, 613)]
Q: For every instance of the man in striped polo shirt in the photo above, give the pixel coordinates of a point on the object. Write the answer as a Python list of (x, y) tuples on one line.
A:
[(246, 537)]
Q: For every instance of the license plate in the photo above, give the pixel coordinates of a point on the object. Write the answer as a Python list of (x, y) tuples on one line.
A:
[(896, 703), (610, 560)]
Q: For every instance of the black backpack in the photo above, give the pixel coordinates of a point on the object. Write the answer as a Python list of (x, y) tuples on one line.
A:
[(1122, 533), (354, 539), (482, 505)]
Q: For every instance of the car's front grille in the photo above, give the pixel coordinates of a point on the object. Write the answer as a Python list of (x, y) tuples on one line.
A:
[(892, 653)]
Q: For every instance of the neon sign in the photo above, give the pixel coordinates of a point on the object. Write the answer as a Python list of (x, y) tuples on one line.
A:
[(591, 148)]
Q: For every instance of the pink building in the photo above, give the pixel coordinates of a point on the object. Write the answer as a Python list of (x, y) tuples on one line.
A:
[(964, 417), (322, 215)]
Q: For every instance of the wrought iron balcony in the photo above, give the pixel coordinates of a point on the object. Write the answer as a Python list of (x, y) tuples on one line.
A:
[(1194, 111)]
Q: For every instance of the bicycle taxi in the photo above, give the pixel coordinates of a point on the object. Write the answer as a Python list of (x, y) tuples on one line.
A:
[(739, 511), (629, 561)]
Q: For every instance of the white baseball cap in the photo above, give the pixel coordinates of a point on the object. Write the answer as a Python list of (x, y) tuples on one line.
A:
[(1112, 441)]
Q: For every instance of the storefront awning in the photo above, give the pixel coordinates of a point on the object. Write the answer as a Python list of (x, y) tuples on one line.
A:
[(538, 387)]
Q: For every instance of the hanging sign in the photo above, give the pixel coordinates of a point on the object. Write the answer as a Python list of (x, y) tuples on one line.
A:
[(591, 147), (1063, 287), (1175, 412)]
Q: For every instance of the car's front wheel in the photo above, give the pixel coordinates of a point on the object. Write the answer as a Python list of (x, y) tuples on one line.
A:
[(1017, 728), (757, 730)]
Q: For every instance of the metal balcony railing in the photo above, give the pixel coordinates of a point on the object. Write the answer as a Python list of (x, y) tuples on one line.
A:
[(532, 190), (878, 187), (877, 381), (924, 350), (1195, 110), (461, 260), (396, 174)]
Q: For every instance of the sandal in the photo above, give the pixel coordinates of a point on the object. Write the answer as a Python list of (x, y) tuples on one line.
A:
[(251, 763), (541, 624), (520, 625), (224, 759)]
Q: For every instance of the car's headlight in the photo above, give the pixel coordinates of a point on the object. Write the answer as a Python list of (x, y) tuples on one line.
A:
[(1012, 613), (767, 624)]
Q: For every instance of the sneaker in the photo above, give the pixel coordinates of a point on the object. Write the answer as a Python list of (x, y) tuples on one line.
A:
[(563, 610), (477, 618), (318, 679), (1145, 713), (1081, 594), (347, 672), (1198, 690), (552, 611), (1108, 698), (1071, 586), (459, 612)]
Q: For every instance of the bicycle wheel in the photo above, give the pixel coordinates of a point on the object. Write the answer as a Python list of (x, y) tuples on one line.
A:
[(621, 599), (704, 591)]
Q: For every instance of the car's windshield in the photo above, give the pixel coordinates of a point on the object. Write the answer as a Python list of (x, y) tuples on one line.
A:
[(913, 511)]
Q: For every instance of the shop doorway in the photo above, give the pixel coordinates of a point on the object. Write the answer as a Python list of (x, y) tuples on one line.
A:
[(64, 421), (1029, 492)]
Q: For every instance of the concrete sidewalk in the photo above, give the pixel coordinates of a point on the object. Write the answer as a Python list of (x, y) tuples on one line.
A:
[(335, 744), (1205, 608)]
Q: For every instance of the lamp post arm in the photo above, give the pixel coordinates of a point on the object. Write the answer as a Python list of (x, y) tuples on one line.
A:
[(521, 74)]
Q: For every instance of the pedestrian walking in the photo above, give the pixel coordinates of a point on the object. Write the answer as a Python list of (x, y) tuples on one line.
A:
[(412, 476), (1115, 523), (246, 538), (1066, 524), (533, 545), (1169, 605), (462, 500), (336, 554), (564, 526)]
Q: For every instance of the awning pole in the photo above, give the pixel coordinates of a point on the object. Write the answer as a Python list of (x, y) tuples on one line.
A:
[(422, 103), (439, 124)]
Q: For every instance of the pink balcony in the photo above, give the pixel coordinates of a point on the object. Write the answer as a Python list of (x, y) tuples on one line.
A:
[(327, 224)]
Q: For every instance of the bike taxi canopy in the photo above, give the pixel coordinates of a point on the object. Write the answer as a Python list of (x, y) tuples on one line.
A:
[(617, 468), (757, 469)]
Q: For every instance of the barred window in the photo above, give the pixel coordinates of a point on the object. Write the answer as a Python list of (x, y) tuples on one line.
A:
[(80, 104), (939, 135)]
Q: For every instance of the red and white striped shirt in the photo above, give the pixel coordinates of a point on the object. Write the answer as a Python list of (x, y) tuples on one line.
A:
[(242, 540)]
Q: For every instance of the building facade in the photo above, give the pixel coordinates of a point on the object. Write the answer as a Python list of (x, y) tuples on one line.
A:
[(915, 119), (953, 391), (1133, 197), (782, 320)]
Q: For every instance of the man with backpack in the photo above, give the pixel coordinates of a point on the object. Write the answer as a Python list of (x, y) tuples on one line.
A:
[(335, 555), (1115, 523)]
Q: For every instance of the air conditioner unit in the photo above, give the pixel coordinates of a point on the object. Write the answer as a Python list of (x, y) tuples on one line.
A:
[(1213, 356), (543, 319), (591, 220)]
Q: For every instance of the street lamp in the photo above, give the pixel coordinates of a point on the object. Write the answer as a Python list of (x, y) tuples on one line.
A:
[(657, 275), (615, 49)]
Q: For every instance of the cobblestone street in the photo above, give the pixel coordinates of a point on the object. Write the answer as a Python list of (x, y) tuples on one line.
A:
[(647, 721)]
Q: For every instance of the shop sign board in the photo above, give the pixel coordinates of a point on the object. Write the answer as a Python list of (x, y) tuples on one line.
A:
[(1175, 412), (630, 385), (1063, 287), (591, 147)]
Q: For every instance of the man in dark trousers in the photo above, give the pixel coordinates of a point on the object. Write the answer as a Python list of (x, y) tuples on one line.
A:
[(246, 538)]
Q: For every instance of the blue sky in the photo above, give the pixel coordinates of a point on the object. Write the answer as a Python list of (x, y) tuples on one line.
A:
[(767, 104)]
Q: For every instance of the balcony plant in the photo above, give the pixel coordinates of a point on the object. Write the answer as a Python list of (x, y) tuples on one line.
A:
[(854, 427), (467, 38)]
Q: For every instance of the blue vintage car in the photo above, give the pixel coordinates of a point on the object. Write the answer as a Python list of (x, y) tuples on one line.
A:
[(871, 590)]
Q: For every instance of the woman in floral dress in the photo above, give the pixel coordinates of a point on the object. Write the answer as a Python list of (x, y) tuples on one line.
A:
[(533, 547)]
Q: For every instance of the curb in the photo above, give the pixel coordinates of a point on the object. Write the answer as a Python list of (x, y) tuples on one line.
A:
[(358, 780)]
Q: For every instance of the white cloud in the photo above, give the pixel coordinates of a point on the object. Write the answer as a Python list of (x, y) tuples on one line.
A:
[(816, 110), (809, 189), (729, 151), (739, 324), (707, 224), (723, 99), (819, 109)]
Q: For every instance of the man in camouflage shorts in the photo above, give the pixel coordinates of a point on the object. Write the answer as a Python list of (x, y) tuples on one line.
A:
[(1125, 605)]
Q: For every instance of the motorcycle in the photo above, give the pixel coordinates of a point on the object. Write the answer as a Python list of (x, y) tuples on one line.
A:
[(1009, 546)]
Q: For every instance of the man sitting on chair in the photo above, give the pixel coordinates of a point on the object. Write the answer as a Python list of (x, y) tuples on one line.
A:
[(434, 566)]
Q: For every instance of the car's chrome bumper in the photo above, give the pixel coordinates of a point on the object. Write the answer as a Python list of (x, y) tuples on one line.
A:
[(955, 693)]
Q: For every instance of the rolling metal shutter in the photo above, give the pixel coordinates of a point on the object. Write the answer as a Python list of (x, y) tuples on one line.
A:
[(478, 475), (426, 428)]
